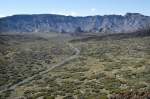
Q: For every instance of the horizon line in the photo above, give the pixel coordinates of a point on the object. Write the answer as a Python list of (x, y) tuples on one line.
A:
[(72, 15)]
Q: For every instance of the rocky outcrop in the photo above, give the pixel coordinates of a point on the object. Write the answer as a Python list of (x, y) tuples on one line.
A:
[(131, 95), (67, 24)]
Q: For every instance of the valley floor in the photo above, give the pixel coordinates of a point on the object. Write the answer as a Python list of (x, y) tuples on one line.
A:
[(108, 67)]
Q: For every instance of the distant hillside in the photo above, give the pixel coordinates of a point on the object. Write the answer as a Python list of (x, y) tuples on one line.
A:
[(67, 24)]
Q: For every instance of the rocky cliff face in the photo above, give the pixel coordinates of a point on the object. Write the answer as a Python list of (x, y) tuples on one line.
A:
[(58, 23)]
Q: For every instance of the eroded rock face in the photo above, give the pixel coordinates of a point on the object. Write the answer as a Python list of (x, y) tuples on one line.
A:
[(58, 23)]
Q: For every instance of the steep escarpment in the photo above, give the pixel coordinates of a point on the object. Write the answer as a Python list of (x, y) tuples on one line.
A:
[(67, 24)]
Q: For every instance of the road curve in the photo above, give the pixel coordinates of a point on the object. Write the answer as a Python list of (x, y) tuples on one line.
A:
[(77, 52)]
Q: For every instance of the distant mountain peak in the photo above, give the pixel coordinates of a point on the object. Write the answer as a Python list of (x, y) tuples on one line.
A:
[(133, 14), (59, 23)]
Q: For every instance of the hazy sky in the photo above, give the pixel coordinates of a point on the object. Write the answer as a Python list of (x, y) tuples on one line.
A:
[(74, 7)]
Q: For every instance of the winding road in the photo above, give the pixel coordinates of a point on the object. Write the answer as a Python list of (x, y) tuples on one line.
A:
[(77, 52)]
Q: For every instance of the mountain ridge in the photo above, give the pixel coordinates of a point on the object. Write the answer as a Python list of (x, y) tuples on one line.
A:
[(130, 22)]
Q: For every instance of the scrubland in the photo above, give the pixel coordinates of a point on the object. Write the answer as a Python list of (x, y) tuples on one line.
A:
[(104, 68)]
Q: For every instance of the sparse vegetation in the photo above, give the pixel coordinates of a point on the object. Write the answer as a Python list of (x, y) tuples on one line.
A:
[(105, 67), (22, 56)]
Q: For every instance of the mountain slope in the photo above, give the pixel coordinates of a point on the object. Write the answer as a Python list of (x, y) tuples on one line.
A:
[(59, 23)]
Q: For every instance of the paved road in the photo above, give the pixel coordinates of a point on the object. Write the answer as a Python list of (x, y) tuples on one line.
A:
[(77, 52)]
